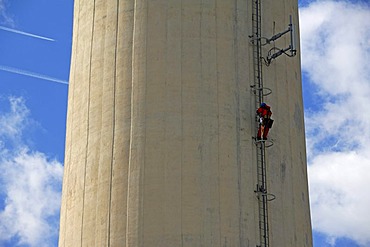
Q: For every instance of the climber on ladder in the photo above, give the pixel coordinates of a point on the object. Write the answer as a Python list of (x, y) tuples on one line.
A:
[(265, 122)]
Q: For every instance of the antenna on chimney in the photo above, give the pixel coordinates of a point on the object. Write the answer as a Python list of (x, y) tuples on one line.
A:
[(291, 48)]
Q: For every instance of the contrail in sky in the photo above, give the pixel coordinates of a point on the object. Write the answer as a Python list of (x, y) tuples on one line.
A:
[(31, 74), (26, 34)]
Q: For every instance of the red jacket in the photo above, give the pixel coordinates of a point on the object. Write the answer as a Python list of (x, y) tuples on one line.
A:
[(264, 112)]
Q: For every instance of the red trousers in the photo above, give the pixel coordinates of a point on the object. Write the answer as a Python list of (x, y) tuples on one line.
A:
[(263, 131)]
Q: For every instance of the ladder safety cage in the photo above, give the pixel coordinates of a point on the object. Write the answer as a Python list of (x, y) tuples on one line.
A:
[(265, 90)]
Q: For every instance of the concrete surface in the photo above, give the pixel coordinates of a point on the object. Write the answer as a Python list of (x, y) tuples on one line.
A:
[(159, 148)]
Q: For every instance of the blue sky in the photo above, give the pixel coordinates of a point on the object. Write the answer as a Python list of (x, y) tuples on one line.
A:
[(35, 46)]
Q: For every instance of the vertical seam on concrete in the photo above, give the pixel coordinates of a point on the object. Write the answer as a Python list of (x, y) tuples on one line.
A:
[(142, 170), (132, 4), (237, 94), (165, 157), (114, 125), (202, 141), (182, 122), (88, 119), (218, 125), (131, 122)]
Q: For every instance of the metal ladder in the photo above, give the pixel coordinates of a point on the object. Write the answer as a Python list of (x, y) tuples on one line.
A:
[(261, 145)]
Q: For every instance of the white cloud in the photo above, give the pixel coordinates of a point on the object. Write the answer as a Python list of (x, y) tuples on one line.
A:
[(30, 183), (335, 41), (339, 197), (12, 123), (4, 16)]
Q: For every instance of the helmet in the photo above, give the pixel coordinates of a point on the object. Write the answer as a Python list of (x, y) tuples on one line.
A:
[(263, 104)]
